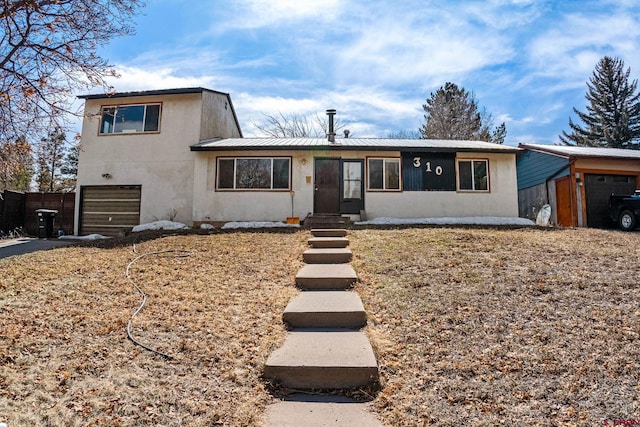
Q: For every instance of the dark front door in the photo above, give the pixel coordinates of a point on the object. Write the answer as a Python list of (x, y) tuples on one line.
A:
[(326, 199)]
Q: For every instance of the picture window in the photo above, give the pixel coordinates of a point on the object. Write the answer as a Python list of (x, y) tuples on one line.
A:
[(130, 119), (254, 173)]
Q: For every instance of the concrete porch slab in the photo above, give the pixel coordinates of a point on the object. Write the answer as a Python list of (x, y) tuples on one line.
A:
[(325, 309)]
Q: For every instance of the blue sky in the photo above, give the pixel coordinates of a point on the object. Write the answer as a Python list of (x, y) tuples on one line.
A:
[(377, 61)]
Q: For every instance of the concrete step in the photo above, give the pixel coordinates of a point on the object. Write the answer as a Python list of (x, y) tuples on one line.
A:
[(327, 255), (326, 221), (329, 242), (325, 309), (326, 277), (329, 232), (323, 359), (319, 411)]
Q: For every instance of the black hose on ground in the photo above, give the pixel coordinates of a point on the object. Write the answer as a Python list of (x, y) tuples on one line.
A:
[(176, 253)]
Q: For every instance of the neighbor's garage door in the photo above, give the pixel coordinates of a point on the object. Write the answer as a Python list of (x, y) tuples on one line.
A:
[(597, 189), (108, 210)]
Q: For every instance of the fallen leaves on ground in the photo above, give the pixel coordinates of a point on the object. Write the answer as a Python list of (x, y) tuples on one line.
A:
[(64, 354), (473, 327), (483, 327)]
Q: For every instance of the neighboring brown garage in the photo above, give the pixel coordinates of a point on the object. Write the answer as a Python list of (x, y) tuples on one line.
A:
[(575, 181), (110, 209)]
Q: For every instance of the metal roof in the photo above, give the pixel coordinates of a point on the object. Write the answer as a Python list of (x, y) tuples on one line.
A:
[(375, 144), (571, 151), (177, 91)]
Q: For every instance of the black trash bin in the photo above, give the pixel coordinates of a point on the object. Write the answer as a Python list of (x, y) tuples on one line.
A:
[(45, 222)]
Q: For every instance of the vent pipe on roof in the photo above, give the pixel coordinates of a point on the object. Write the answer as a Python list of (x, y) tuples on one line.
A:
[(331, 136)]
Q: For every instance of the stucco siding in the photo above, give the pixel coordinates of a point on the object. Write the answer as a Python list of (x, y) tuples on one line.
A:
[(218, 119), (502, 200), (216, 206), (160, 162)]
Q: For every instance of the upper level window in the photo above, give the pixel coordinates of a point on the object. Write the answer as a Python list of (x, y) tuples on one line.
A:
[(254, 173), (384, 173), (130, 118), (473, 175)]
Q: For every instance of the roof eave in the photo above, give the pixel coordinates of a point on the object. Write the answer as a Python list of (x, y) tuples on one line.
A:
[(176, 91), (337, 147)]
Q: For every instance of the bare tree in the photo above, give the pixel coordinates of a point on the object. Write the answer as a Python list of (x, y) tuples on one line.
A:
[(294, 125), (16, 165), (405, 134), (47, 51)]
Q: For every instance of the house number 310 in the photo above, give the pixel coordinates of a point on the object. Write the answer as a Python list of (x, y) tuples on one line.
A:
[(437, 170)]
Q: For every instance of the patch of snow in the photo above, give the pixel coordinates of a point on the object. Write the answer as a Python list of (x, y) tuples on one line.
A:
[(471, 220), (206, 227), (88, 237), (159, 225), (256, 224)]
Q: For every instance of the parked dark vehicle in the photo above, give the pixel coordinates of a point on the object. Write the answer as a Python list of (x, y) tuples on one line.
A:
[(624, 210)]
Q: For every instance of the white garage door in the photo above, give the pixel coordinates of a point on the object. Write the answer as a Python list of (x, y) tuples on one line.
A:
[(109, 210)]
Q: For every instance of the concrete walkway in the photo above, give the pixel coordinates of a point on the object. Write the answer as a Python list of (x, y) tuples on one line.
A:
[(320, 411), (325, 350), (25, 245)]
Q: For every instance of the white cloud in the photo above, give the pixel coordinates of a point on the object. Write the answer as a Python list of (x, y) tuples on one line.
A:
[(264, 13), (572, 48), (135, 78), (376, 61), (367, 112)]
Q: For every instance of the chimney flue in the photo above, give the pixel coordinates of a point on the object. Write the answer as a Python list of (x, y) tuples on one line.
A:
[(331, 135)]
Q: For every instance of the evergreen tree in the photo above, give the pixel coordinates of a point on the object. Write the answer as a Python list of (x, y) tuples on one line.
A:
[(499, 134), (69, 169), (49, 156), (612, 118), (453, 113)]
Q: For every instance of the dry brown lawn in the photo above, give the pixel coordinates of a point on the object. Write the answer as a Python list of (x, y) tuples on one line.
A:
[(503, 327), (471, 327), (65, 359)]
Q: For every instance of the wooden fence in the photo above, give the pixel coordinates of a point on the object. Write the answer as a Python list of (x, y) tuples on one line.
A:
[(19, 210)]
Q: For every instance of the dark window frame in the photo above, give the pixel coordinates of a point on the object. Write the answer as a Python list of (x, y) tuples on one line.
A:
[(384, 187), (150, 117), (232, 180), (476, 184)]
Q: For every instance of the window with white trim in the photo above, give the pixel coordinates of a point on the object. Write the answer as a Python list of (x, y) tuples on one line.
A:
[(383, 174), (473, 175), (253, 173), (129, 119)]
